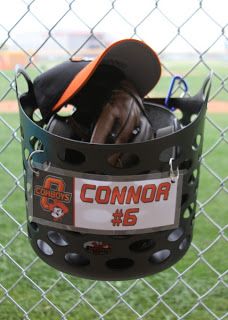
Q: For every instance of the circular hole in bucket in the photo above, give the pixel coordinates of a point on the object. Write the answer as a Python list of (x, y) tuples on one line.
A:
[(37, 116), (198, 139), (193, 117), (192, 207), (76, 259), (119, 263), (142, 245), (178, 113), (183, 245), (160, 256), (193, 221), (66, 111), (72, 156), (196, 142), (57, 238), (44, 247), (36, 144), (26, 153), (189, 211), (175, 235), (123, 160)]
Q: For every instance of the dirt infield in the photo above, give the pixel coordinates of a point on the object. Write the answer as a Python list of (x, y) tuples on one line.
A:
[(213, 106)]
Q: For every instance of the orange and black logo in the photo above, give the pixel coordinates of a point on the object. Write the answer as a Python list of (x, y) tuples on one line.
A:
[(53, 196), (97, 247)]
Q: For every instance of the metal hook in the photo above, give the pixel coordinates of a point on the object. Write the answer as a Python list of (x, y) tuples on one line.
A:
[(173, 175), (36, 172), (170, 91)]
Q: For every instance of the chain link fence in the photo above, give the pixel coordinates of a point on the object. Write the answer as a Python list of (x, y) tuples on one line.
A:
[(196, 287)]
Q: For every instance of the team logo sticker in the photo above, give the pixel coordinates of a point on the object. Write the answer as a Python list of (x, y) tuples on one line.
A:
[(97, 247), (53, 199)]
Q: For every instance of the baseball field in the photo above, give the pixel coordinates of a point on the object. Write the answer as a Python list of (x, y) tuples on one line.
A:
[(195, 288)]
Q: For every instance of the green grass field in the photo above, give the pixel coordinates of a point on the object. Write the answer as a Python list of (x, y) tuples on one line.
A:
[(141, 298)]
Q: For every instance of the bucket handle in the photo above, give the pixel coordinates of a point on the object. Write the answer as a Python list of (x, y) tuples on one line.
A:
[(19, 70), (26, 100), (204, 92)]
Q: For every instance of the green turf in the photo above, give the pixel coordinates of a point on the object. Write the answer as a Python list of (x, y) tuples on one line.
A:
[(141, 298), (194, 78)]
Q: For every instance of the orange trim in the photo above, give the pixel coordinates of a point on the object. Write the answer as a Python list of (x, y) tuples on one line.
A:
[(83, 76)]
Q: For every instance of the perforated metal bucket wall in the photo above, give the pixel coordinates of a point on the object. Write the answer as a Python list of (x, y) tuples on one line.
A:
[(132, 256)]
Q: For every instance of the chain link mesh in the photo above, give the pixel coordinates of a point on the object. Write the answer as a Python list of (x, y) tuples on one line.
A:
[(196, 287)]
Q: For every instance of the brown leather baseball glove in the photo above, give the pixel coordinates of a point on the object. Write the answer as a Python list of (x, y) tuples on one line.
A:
[(122, 120)]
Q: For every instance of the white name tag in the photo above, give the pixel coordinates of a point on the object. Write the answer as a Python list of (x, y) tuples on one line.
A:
[(125, 205), (142, 204)]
